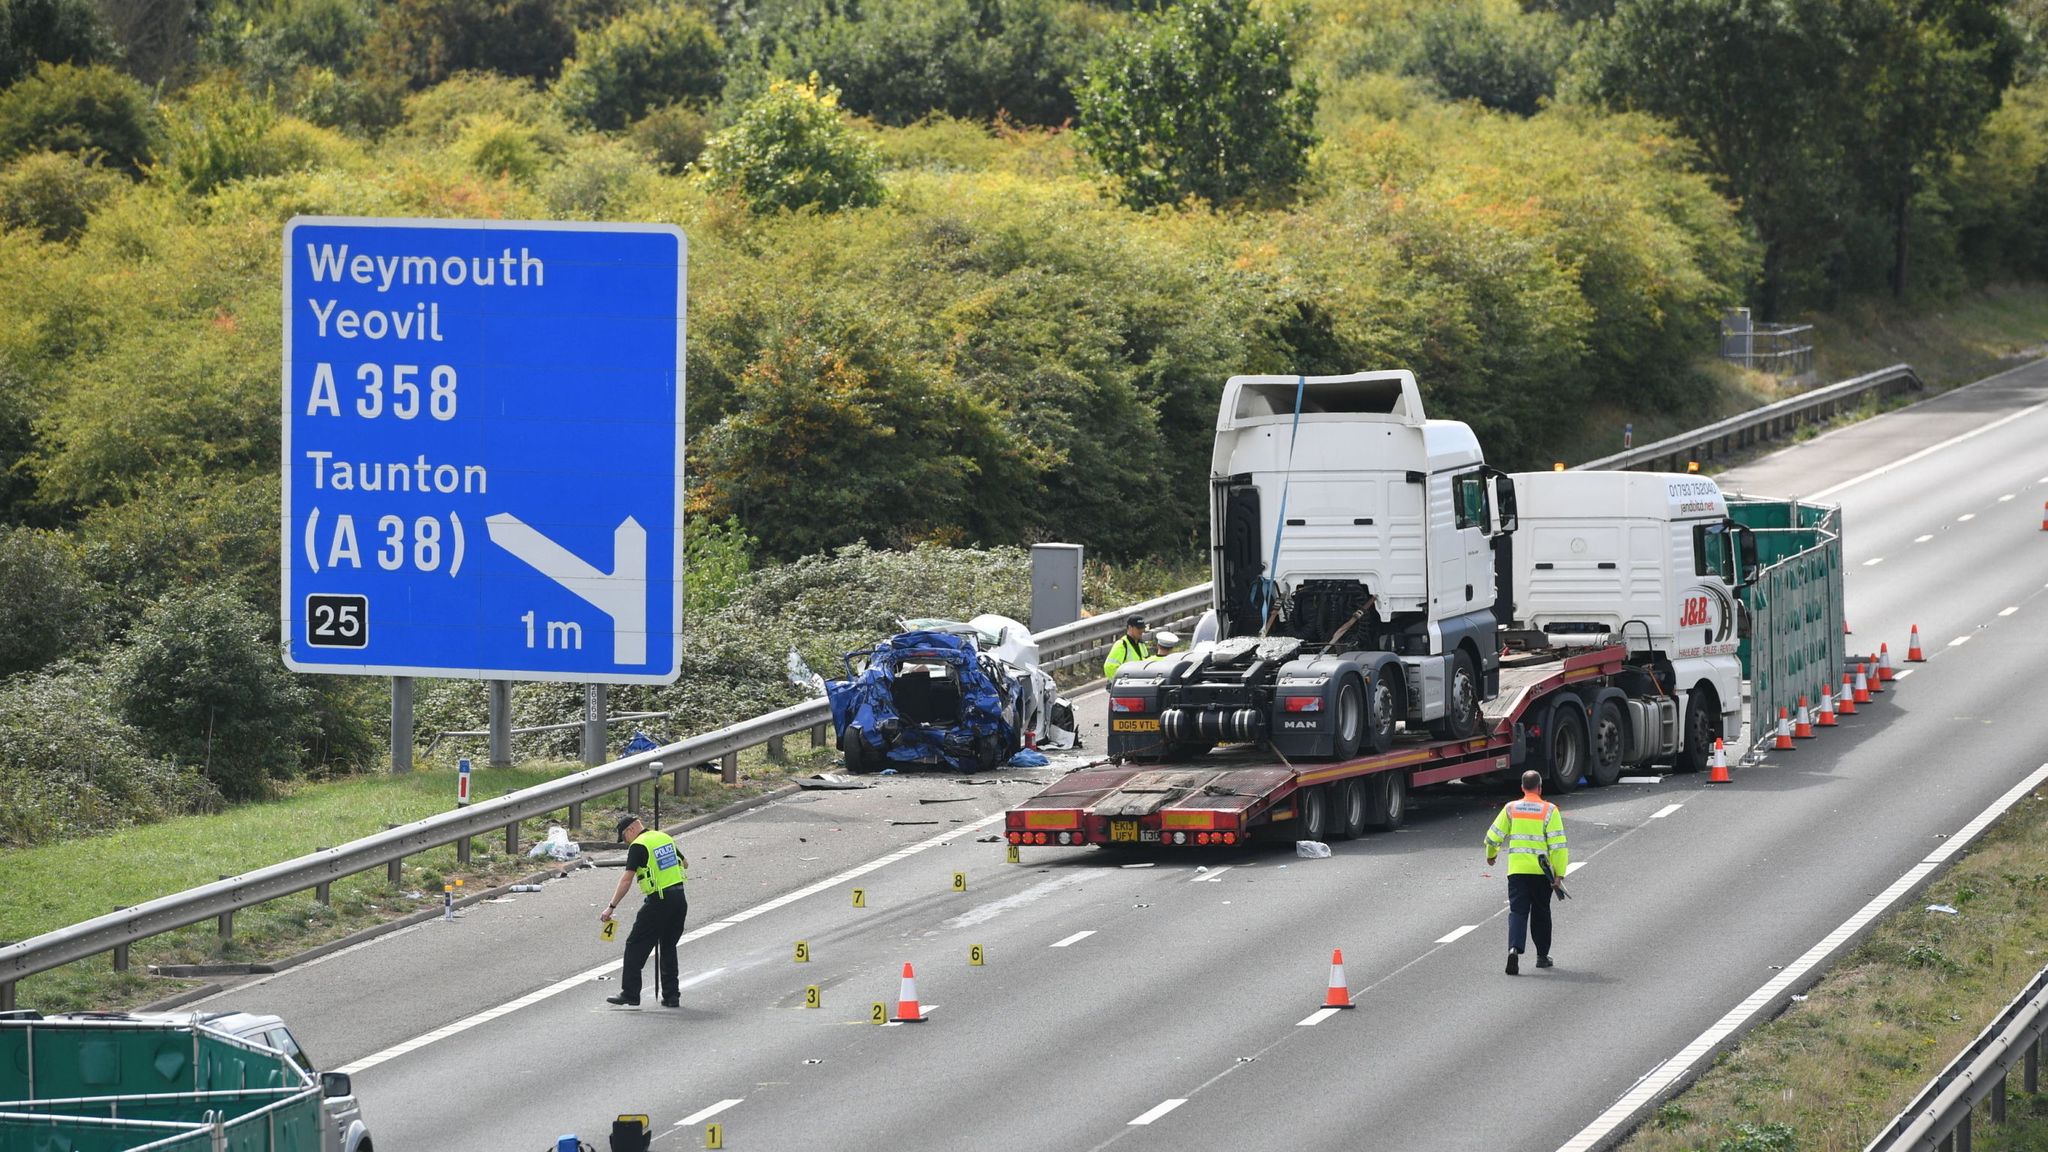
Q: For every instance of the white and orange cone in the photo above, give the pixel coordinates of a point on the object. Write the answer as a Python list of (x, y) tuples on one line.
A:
[(1802, 728), (1781, 739), (906, 1003), (1718, 765), (1339, 995), (1913, 653), (1846, 702), (1884, 663), (1827, 707), (1862, 689)]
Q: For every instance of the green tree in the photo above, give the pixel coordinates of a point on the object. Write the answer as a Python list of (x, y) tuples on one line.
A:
[(1200, 101), (201, 679), (644, 60), (1702, 64), (426, 41), (46, 600), (67, 108), (53, 193), (793, 147), (215, 134), (36, 32), (1500, 56)]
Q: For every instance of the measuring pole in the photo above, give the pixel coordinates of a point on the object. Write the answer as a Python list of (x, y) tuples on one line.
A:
[(401, 724)]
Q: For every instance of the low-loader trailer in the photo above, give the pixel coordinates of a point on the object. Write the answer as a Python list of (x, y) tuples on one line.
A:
[(1367, 573)]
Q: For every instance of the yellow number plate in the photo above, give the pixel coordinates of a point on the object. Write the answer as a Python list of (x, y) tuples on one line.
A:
[(1123, 830), (1134, 725)]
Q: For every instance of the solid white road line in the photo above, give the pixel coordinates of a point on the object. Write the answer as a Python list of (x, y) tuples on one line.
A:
[(1903, 673), (1160, 1110), (1314, 1018), (1923, 539), (2010, 611), (581, 978), (1575, 865), (1873, 562), (1675, 1070), (1454, 933), (704, 1114), (1076, 938), (1212, 875), (1959, 641), (1666, 810), (1930, 450)]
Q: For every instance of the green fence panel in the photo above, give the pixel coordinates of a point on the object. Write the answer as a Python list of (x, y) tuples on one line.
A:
[(1793, 644)]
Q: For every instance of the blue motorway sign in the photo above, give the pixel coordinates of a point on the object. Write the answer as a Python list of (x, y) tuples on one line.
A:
[(483, 449)]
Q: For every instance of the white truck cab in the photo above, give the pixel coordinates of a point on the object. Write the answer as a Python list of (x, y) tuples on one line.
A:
[(1646, 559), (1343, 516)]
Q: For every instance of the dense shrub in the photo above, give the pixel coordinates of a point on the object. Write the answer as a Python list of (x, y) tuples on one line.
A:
[(1492, 52), (200, 678), (1200, 101), (441, 113), (794, 148), (36, 32), (63, 108), (71, 766), (595, 181), (426, 41), (672, 137), (53, 193), (644, 60), (180, 532), (46, 600), (215, 135)]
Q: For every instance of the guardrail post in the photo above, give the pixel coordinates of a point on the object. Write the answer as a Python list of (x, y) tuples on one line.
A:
[(1963, 1132), (817, 736), (393, 872), (2030, 1074), (729, 768), (775, 751), (576, 816), (7, 996), (1998, 1100), (512, 838), (120, 950), (323, 893), (462, 850), (227, 923), (632, 797)]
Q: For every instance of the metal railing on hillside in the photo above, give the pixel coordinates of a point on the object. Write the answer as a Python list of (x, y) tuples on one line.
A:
[(115, 932), (1739, 433), (1939, 1118)]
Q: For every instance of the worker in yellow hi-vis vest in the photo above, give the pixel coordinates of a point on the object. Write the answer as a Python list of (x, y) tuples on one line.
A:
[(1130, 646), (1533, 830), (655, 860)]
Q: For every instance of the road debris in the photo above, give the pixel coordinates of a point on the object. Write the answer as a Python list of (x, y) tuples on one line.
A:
[(1943, 909), (832, 780), (1311, 849)]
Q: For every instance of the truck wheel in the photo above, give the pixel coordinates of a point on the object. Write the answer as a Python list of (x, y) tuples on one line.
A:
[(1608, 738), (1566, 745), (1389, 801), (1702, 726), (1353, 800), (1350, 720), (1382, 709), (1311, 814), (1461, 701)]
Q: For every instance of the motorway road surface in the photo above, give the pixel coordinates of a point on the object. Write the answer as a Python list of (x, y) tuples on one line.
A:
[(1162, 1007)]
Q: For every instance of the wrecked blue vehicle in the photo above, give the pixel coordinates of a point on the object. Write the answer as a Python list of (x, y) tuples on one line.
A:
[(925, 697)]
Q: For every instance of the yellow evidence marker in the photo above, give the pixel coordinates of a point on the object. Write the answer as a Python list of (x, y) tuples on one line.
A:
[(811, 997), (1016, 857), (974, 956), (803, 952), (714, 1136), (878, 1013), (610, 929), (860, 897), (959, 881)]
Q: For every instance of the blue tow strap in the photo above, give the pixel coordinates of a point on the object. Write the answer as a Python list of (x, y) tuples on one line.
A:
[(1266, 588)]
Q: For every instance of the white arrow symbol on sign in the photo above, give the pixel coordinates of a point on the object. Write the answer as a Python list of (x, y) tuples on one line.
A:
[(620, 594)]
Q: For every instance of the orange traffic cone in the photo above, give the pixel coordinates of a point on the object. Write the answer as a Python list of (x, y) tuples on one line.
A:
[(1718, 765), (1339, 995), (2044, 516), (1827, 706), (1913, 653), (1782, 738), (1884, 663), (1803, 728), (1862, 688), (1845, 626), (906, 1004), (1846, 702)]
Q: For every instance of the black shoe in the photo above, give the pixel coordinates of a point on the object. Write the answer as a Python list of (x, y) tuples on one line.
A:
[(1514, 963), (1544, 962), (622, 1000), (672, 1002)]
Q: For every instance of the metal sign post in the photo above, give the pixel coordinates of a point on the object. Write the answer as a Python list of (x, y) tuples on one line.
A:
[(483, 449)]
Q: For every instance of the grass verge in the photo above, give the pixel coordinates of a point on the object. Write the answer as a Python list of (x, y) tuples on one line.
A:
[(53, 885), (1956, 342), (1832, 1070)]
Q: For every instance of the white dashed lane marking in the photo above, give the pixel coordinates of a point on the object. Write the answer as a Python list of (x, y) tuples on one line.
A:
[(1454, 933), (1959, 641), (1923, 539), (1076, 938), (1159, 1110), (1873, 562), (1667, 810), (703, 1114)]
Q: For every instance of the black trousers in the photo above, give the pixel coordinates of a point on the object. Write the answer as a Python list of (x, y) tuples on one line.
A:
[(1528, 912), (656, 929)]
